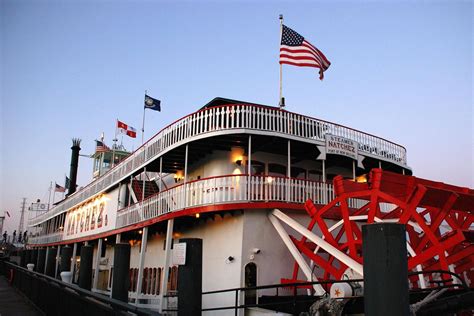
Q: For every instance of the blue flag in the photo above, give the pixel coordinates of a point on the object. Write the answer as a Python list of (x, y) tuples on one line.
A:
[(152, 104)]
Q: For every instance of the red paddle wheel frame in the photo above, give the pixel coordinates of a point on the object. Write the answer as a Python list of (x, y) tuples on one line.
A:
[(438, 218)]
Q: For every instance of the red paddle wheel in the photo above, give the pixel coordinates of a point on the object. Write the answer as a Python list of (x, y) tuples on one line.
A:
[(438, 218)]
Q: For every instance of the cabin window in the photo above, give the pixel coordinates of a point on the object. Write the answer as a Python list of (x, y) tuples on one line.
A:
[(250, 281), (103, 249), (315, 175), (276, 170), (158, 281), (173, 279), (297, 172), (258, 168)]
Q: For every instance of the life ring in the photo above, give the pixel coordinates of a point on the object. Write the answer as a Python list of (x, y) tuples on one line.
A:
[(11, 276)]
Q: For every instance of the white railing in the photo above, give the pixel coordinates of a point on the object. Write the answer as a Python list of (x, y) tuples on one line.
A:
[(226, 189), (221, 190), (217, 119), (46, 239)]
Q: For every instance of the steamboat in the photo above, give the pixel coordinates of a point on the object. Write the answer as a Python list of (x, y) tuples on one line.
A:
[(239, 195)]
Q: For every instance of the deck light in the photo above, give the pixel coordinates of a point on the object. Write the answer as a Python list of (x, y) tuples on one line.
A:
[(140, 232), (198, 215)]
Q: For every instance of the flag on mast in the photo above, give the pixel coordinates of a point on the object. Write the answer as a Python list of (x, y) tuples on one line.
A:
[(296, 51), (58, 188), (101, 147), (126, 129), (152, 104)]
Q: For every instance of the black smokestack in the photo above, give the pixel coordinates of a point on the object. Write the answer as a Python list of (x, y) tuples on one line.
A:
[(76, 142)]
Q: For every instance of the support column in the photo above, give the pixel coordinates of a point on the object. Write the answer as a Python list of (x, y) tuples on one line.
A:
[(50, 262), (288, 173), (85, 269), (22, 255), (353, 169), (121, 272), (65, 261), (324, 170), (97, 264), (164, 281), (249, 169), (34, 257), (27, 256), (73, 262), (118, 239), (40, 262), (161, 174), (190, 279), (385, 269), (141, 262), (185, 180), (56, 268)]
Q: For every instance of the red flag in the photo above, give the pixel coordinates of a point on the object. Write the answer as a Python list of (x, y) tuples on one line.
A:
[(126, 129), (296, 51)]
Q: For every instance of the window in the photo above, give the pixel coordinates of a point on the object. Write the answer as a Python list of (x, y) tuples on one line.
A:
[(258, 168), (297, 172), (276, 170)]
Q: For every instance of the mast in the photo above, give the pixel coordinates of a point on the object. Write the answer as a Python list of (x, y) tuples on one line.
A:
[(22, 216), (281, 101)]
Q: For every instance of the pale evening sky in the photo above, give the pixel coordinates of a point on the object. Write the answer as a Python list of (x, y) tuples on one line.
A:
[(402, 70)]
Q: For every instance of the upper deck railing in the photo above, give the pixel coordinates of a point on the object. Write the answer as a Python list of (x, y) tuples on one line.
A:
[(227, 118)]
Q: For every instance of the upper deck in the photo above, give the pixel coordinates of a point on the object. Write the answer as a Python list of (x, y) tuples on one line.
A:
[(234, 118)]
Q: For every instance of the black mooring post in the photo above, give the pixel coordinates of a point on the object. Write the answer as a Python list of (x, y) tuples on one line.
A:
[(34, 257), (385, 269), (51, 262), (27, 256), (190, 279), (22, 258), (41, 260), (85, 268), (121, 281), (66, 255)]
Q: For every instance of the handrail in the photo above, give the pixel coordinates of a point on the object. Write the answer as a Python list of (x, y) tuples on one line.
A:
[(296, 285), (217, 190), (228, 117), (113, 303)]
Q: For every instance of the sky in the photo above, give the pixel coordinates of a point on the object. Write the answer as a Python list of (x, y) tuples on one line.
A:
[(401, 70)]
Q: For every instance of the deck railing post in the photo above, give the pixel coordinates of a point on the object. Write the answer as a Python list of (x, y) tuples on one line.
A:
[(85, 269), (40, 260), (385, 250), (190, 279), (121, 272)]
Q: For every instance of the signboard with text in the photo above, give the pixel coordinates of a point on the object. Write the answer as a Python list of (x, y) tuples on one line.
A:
[(337, 145), (179, 254)]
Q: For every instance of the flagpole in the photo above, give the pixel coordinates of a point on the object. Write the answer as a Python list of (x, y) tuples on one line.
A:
[(143, 124), (50, 187), (280, 100), (54, 194), (115, 143)]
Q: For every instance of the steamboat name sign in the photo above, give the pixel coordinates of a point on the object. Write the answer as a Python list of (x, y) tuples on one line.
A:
[(337, 145)]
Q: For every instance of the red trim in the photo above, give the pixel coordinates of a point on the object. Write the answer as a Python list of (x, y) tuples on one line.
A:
[(185, 212)]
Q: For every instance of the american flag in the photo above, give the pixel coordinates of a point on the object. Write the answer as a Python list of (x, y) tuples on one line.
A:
[(296, 51), (100, 147), (59, 188)]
